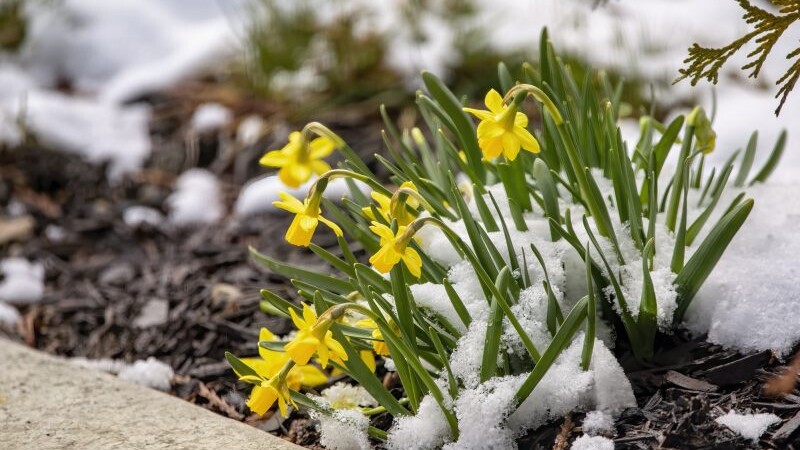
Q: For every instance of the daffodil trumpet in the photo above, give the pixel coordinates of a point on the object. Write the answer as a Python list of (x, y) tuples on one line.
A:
[(539, 95)]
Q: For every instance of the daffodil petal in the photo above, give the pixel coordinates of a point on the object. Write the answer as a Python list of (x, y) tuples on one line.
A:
[(261, 399), (298, 322), (320, 167), (413, 261), (369, 359), (382, 231), (511, 146), (492, 148), (311, 376), (494, 101), (527, 140), (274, 158), (489, 130), (321, 147), (289, 203), (300, 172), (336, 230), (480, 113), (521, 120), (309, 316), (286, 175), (383, 260)]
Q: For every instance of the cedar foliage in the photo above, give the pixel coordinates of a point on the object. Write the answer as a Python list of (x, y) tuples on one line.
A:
[(704, 62)]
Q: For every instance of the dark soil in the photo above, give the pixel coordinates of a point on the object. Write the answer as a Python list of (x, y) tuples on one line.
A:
[(100, 274)]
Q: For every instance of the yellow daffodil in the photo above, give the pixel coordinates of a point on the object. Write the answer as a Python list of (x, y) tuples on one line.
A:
[(502, 129), (394, 248), (307, 217), (271, 362), (378, 344), (383, 202), (299, 158), (313, 336), (269, 387), (265, 394)]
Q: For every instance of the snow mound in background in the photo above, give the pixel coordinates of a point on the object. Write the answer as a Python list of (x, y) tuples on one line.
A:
[(257, 195), (197, 199), (110, 53)]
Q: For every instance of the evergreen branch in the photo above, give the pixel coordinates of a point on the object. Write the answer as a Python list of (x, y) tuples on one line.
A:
[(704, 62), (788, 80)]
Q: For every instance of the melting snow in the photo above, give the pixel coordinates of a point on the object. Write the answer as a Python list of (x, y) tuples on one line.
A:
[(749, 426)]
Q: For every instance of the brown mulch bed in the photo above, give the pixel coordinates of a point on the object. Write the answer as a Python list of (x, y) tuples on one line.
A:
[(101, 274)]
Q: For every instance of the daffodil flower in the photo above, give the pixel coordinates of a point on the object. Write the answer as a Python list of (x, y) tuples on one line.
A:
[(502, 129), (394, 248), (270, 385), (265, 394), (299, 159), (313, 336), (271, 362), (305, 222), (384, 207), (378, 344)]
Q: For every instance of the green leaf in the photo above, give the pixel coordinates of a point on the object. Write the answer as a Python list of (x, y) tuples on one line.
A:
[(325, 282), (700, 265), (560, 342), (483, 211), (278, 304), (547, 186), (494, 329), (506, 80), (335, 262), (465, 130), (648, 306), (458, 304), (239, 366), (591, 317), (772, 162), (747, 160), (697, 225), (364, 376)]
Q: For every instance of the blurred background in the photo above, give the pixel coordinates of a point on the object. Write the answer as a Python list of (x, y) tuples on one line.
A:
[(130, 133)]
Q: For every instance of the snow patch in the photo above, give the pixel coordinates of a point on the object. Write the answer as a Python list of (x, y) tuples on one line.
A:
[(23, 281), (592, 443), (257, 195), (749, 426), (196, 200), (151, 372), (210, 117), (427, 430)]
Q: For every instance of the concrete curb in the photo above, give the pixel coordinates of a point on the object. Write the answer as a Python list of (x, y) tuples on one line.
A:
[(49, 403)]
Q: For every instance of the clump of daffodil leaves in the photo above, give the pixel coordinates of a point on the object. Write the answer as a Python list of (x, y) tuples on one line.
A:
[(366, 310)]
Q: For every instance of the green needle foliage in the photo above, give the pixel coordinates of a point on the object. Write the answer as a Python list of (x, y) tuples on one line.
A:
[(768, 27)]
